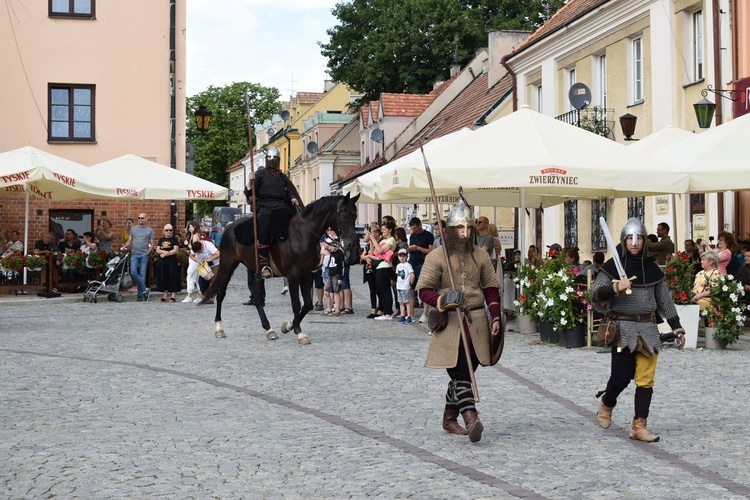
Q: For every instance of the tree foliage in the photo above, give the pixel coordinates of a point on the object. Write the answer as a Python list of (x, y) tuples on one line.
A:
[(227, 139), (405, 46)]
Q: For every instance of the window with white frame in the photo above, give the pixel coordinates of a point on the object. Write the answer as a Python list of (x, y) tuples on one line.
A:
[(638, 68), (697, 40), (571, 82), (601, 80)]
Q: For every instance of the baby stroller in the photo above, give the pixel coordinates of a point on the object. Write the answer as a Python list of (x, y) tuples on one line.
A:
[(109, 281)]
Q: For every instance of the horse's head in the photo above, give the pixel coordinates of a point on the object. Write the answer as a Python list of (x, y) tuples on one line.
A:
[(346, 217)]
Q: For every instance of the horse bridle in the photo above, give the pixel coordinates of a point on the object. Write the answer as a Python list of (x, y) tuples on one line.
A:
[(337, 243)]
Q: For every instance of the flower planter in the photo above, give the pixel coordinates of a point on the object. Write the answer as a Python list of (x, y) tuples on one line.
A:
[(525, 324), (545, 331), (555, 336), (34, 269), (689, 318), (711, 342), (575, 337)]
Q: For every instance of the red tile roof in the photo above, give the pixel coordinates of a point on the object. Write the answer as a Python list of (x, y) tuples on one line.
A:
[(309, 97), (568, 13), (405, 104)]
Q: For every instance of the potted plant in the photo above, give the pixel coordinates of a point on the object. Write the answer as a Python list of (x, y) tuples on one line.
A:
[(558, 300), (74, 260), (182, 256), (96, 258), (725, 316), (12, 262), (526, 283), (35, 262), (679, 278)]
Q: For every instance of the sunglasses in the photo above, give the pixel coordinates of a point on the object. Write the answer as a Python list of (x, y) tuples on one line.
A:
[(141, 218), (168, 230)]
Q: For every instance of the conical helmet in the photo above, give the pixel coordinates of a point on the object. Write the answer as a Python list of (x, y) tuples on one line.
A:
[(633, 227), (460, 215)]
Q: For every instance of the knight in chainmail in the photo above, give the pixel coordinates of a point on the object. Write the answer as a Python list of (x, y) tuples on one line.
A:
[(634, 305), (476, 283)]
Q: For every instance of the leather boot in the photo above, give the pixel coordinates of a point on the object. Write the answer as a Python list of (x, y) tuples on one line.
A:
[(638, 431), (474, 426), (604, 415), (450, 422)]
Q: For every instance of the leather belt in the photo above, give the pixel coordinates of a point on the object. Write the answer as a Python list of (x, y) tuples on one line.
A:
[(644, 318)]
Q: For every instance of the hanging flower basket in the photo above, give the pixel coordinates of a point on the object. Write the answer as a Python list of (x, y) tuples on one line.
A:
[(35, 262), (12, 262)]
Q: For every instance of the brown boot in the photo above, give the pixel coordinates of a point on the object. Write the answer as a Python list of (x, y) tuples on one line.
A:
[(474, 426), (604, 416), (638, 431), (450, 422)]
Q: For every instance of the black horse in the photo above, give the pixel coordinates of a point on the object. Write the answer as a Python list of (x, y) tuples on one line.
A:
[(294, 257)]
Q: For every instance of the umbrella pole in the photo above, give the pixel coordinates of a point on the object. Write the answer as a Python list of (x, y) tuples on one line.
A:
[(464, 328), (253, 204), (26, 229)]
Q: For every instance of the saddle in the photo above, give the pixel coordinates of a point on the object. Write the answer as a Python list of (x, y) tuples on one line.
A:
[(245, 235)]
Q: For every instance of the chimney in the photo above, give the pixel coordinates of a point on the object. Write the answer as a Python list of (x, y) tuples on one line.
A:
[(455, 69), (501, 43)]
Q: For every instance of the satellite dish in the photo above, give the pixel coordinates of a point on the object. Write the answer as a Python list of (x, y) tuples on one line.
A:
[(270, 131), (579, 95), (312, 148), (285, 115), (377, 135)]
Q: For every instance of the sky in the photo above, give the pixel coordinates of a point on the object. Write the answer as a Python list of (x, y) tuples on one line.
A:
[(273, 44)]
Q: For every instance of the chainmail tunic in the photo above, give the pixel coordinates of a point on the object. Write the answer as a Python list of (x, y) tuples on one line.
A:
[(643, 301)]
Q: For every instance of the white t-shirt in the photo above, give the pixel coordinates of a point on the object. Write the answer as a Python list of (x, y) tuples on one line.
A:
[(208, 250), (403, 275)]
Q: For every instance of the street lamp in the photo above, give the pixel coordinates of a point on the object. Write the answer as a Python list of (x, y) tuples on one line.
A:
[(627, 124), (704, 112), (202, 119)]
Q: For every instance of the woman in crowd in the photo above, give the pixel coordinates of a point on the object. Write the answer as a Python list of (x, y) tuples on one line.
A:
[(384, 250), (706, 278), (572, 260), (725, 249), (532, 257), (104, 235), (168, 271), (369, 263), (192, 234), (88, 244)]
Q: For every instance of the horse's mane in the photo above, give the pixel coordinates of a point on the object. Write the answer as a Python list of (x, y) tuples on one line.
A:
[(324, 205)]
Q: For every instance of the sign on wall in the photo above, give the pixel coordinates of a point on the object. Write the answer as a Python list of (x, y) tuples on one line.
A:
[(742, 102)]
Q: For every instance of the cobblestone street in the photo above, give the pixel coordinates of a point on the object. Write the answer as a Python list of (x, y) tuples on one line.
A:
[(140, 400)]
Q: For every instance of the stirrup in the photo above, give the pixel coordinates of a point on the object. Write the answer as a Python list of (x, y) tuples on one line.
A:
[(266, 272)]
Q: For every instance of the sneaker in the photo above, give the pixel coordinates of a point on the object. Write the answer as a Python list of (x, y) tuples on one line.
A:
[(284, 290), (400, 319), (407, 321), (372, 316), (423, 319), (384, 317), (140, 299), (145, 294), (187, 299)]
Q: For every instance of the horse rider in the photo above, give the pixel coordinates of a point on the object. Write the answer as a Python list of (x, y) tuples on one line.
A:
[(276, 198)]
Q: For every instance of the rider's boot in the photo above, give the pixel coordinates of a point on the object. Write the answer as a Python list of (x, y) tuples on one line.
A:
[(263, 253)]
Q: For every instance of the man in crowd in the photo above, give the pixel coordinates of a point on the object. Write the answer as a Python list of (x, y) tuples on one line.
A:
[(634, 355), (476, 284), (484, 238), (142, 240), (664, 246), (420, 244)]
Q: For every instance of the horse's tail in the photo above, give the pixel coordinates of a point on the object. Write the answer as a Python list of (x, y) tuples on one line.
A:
[(213, 287)]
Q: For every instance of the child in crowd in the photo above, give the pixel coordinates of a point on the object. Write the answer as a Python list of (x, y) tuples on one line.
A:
[(335, 276), (404, 281)]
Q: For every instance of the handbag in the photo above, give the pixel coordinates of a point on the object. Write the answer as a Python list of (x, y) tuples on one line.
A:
[(205, 271), (436, 320), (608, 333)]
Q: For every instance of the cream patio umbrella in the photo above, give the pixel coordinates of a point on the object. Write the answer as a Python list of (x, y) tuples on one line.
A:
[(715, 160), (154, 181), (44, 175)]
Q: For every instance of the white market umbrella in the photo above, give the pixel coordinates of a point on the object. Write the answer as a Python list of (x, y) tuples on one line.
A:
[(154, 181), (716, 159), (44, 175), (530, 150)]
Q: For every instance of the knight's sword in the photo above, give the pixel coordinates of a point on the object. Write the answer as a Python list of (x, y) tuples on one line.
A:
[(613, 250)]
